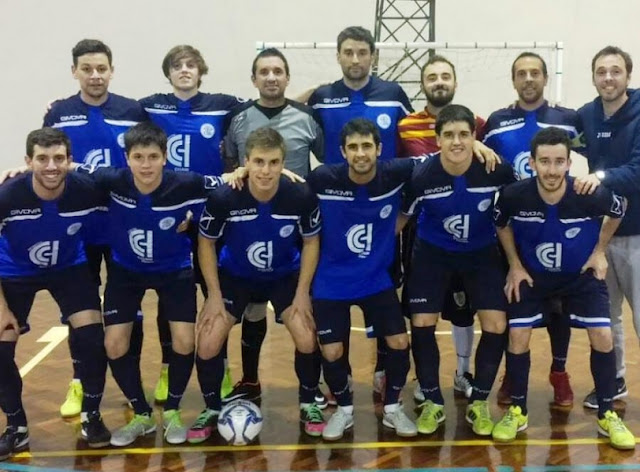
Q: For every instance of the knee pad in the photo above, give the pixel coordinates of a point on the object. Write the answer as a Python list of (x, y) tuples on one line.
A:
[(89, 339), (255, 312)]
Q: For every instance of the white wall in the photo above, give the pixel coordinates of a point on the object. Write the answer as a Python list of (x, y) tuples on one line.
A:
[(37, 37)]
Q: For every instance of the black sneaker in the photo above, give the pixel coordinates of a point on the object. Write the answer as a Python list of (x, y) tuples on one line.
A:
[(14, 439), (95, 432), (245, 391), (591, 400)]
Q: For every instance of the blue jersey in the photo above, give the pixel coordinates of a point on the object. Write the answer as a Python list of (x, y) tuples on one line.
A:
[(96, 132), (358, 235), (509, 131), (261, 240), (44, 235), (194, 127), (142, 229), (380, 101), (455, 212), (555, 238)]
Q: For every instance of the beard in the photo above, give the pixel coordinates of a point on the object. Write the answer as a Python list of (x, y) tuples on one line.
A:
[(439, 100)]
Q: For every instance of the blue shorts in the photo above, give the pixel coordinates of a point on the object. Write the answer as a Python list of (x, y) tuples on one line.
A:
[(73, 289), (238, 292), (125, 289), (584, 299), (433, 269), (382, 315)]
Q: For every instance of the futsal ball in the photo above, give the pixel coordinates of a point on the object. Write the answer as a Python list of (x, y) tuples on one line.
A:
[(240, 422)]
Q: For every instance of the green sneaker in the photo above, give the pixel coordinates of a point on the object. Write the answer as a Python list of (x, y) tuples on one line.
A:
[(431, 417), (138, 426), (613, 427), (227, 383), (511, 423), (479, 417), (175, 432), (162, 387), (73, 403)]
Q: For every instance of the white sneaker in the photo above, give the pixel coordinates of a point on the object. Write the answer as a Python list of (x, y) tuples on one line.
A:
[(398, 420), (463, 384), (418, 396), (337, 425)]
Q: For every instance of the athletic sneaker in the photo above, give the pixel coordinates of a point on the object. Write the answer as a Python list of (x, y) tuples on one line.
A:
[(431, 417), (562, 392), (613, 427), (138, 426), (314, 423), (591, 400), (339, 422), (14, 439), (72, 405), (321, 399), (511, 423), (161, 392), (245, 391), (504, 394), (418, 396), (398, 420), (463, 384), (94, 431), (379, 381), (479, 418), (175, 432), (203, 426), (227, 383)]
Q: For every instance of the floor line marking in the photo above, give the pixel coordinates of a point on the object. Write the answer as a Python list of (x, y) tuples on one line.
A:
[(53, 336), (4, 466)]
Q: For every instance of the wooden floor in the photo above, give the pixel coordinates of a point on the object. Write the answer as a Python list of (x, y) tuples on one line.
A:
[(557, 438)]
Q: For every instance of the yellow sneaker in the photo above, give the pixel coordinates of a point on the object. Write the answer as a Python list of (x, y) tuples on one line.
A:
[(73, 403), (431, 417), (479, 418), (227, 383), (162, 387), (511, 423), (619, 436)]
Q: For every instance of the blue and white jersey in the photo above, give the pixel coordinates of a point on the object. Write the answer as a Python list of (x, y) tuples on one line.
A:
[(194, 128), (261, 240), (96, 133), (455, 212), (555, 238), (143, 228), (509, 131), (44, 235), (380, 101), (358, 230)]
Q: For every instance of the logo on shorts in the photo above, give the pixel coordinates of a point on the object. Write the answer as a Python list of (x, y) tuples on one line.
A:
[(484, 204), (207, 130), (384, 121), (386, 211), (571, 233), (260, 255), (617, 207), (45, 253), (141, 243), (178, 150), (359, 239), (73, 228), (550, 255), (460, 298), (521, 165), (98, 158), (458, 227), (166, 223), (286, 231)]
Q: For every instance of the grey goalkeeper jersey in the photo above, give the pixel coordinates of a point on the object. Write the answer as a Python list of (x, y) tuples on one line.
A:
[(296, 123)]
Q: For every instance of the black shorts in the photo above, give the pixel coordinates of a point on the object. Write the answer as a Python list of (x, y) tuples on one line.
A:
[(95, 255), (433, 269), (584, 299), (382, 314), (238, 292), (125, 289), (72, 288)]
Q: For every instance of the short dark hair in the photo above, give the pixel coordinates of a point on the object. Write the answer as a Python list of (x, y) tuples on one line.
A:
[(357, 33), (360, 126), (145, 134), (47, 137), (435, 59), (528, 54), (265, 138), (90, 46), (613, 51), (183, 51), (269, 52), (453, 113), (550, 136)]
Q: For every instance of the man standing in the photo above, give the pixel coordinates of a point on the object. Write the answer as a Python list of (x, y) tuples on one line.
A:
[(612, 138)]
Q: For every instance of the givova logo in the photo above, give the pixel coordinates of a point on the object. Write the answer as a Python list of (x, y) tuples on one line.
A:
[(260, 255), (521, 165), (98, 158), (178, 150), (550, 255), (141, 243), (44, 253), (458, 227), (359, 239)]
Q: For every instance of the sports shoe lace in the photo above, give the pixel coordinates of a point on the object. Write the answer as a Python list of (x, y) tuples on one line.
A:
[(314, 415)]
